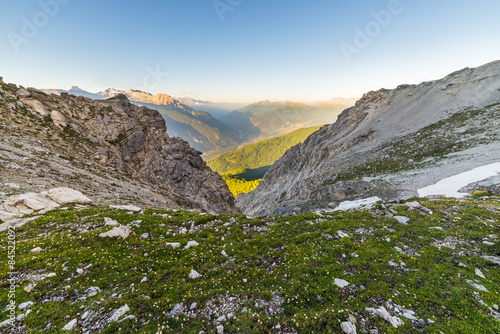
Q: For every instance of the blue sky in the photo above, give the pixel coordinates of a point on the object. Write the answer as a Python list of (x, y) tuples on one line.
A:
[(276, 50)]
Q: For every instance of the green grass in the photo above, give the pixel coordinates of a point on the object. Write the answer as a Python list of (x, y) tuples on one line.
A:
[(295, 258), (260, 154), (244, 168)]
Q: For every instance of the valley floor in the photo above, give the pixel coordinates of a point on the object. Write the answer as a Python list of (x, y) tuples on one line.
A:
[(425, 266)]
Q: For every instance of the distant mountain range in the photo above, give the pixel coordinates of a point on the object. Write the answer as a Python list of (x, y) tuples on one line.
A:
[(192, 119), (268, 119), (216, 109), (203, 132), (337, 100)]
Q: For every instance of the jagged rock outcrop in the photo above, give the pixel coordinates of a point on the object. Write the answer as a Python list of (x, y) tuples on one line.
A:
[(391, 143), (115, 150)]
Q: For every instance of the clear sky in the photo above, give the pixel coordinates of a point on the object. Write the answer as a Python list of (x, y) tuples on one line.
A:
[(246, 50)]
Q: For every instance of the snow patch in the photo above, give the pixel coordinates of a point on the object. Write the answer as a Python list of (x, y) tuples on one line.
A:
[(353, 205), (450, 186)]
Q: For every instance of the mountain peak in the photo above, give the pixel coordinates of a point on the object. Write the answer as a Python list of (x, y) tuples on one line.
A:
[(162, 99)]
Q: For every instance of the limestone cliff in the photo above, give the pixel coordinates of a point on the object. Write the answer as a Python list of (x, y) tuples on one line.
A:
[(117, 151)]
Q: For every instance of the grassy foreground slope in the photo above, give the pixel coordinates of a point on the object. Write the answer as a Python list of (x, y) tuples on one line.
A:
[(270, 274)]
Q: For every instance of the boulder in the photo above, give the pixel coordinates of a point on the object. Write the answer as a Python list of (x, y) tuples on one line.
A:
[(19, 205), (70, 325), (120, 231), (119, 313)]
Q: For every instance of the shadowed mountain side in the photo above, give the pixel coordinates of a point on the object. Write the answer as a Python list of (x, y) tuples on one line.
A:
[(391, 143)]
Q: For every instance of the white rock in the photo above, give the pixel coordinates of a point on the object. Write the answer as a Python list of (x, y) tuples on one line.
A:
[(173, 244), (85, 315), (144, 279), (26, 305), (119, 313), (37, 106), (6, 322), (14, 222), (223, 253), (436, 228), (340, 283), (194, 274), (79, 271), (399, 250), (413, 205), (120, 231), (193, 306), (495, 306), (494, 259), (348, 327), (395, 321), (70, 325), (36, 250), (402, 220), (393, 264), (382, 312), (126, 207), (222, 318), (352, 319), (342, 234), (29, 287), (92, 291), (220, 329), (144, 236), (477, 286), (409, 315), (110, 222), (65, 196), (19, 205), (191, 244), (176, 310), (479, 273), (22, 316), (128, 317)]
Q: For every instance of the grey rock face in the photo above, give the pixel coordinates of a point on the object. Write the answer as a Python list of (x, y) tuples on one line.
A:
[(391, 143), (103, 140)]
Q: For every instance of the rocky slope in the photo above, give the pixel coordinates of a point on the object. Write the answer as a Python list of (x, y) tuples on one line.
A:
[(391, 143), (111, 149)]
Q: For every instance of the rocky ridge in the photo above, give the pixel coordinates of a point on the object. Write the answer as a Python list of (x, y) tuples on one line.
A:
[(108, 149), (391, 143)]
